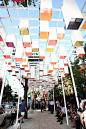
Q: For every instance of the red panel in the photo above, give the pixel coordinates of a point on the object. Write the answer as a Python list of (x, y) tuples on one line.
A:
[(62, 57), (9, 63), (1, 39), (26, 44), (7, 57), (9, 70), (66, 73), (41, 57), (27, 71), (52, 42), (18, 59), (18, 0), (28, 53), (65, 64)]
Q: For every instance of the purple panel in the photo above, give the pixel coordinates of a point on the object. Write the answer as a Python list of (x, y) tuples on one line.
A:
[(22, 68), (85, 22), (10, 44), (48, 74)]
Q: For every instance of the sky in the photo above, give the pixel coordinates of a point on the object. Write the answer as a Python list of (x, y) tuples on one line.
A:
[(35, 14)]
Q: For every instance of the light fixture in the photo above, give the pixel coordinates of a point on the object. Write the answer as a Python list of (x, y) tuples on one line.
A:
[(35, 46), (26, 41), (23, 27), (2, 35), (80, 51), (44, 29), (62, 52), (77, 38), (72, 14), (52, 37), (19, 51), (46, 9), (60, 33), (10, 40)]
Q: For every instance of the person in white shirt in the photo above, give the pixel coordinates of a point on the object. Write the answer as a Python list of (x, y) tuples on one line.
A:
[(61, 114), (52, 106), (57, 105), (83, 116)]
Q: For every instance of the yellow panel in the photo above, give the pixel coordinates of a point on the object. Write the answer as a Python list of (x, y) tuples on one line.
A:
[(24, 60), (24, 31), (78, 43), (55, 68), (49, 49), (35, 49), (44, 35)]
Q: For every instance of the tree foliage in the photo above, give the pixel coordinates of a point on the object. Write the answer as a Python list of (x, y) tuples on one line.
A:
[(24, 4), (7, 93), (79, 76)]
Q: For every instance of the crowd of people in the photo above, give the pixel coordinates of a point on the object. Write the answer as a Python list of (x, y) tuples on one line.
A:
[(76, 115)]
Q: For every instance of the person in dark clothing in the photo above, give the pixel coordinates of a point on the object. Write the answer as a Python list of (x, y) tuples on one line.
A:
[(41, 105), (23, 108), (13, 113)]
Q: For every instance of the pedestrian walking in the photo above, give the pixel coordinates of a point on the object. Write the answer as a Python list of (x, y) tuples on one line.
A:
[(23, 108), (52, 106)]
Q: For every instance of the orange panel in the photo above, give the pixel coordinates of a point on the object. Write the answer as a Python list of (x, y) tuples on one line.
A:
[(12, 66), (40, 76), (1, 39), (46, 15), (53, 63), (24, 65), (41, 57), (60, 36), (52, 42), (81, 55), (18, 59), (83, 26), (7, 57), (50, 71), (62, 57), (28, 53), (61, 69), (44, 75), (44, 35), (26, 44), (55, 68)]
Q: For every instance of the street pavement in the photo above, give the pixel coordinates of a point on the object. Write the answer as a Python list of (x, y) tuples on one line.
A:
[(45, 120), (6, 124)]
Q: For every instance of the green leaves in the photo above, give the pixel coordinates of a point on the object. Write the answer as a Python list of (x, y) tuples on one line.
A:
[(24, 4)]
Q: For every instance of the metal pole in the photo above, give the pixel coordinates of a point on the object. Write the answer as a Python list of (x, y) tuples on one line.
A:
[(53, 99), (18, 99), (64, 100), (2, 89), (73, 82)]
